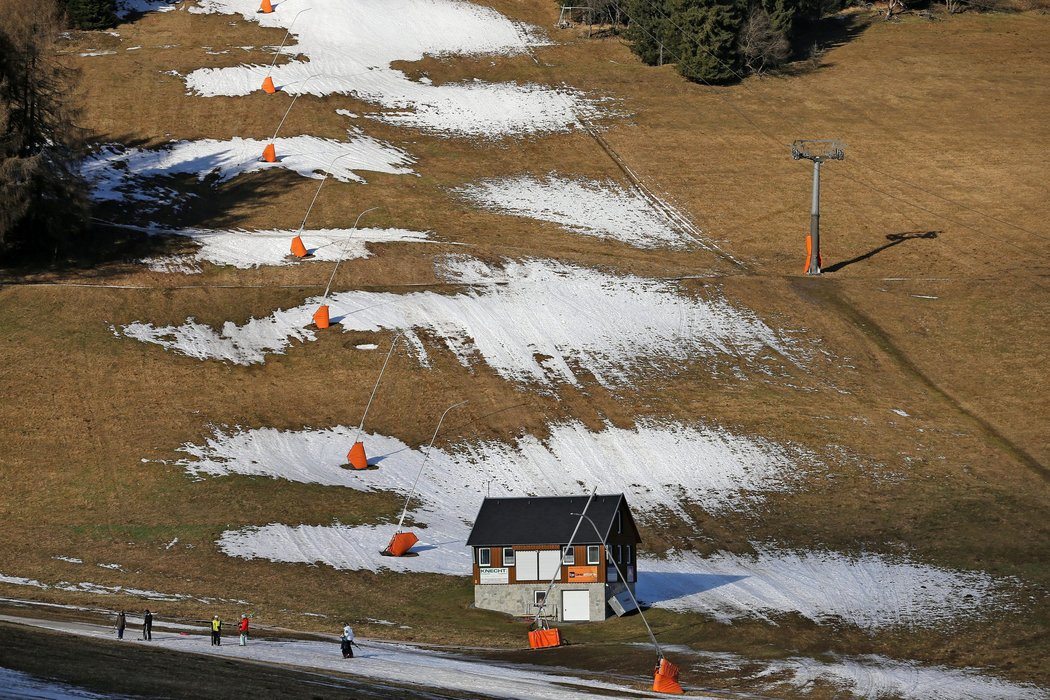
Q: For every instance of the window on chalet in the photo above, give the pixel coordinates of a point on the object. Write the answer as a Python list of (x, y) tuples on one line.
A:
[(568, 556), (619, 522), (539, 597), (508, 556), (484, 556), (593, 556)]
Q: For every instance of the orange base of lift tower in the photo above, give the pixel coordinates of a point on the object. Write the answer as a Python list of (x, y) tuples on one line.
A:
[(550, 637), (268, 86), (321, 319), (665, 680), (399, 545), (357, 458)]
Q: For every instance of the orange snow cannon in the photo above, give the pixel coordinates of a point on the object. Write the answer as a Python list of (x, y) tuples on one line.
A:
[(357, 458), (266, 8), (321, 319), (268, 86), (665, 679), (543, 638), (298, 247), (270, 153), (400, 543)]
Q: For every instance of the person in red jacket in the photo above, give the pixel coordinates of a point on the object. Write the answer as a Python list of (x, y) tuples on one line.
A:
[(243, 627)]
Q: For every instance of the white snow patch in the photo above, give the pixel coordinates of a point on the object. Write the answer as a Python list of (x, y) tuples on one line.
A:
[(533, 321), (114, 171), (900, 412), (97, 53), (71, 560), (366, 346), (246, 249), (118, 567), (869, 591), (348, 48), (873, 676), (171, 544), (602, 209), (21, 581)]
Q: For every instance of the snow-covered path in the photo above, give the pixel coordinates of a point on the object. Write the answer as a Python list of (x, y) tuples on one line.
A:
[(379, 660)]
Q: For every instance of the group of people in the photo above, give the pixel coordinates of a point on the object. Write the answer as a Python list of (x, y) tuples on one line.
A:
[(147, 625), (216, 627), (346, 641)]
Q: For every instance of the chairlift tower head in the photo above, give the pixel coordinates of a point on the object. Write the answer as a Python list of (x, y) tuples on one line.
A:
[(818, 151)]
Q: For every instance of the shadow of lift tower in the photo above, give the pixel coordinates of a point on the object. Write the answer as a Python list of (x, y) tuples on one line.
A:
[(818, 151)]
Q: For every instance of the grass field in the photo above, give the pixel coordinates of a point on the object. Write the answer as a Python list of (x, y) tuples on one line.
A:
[(951, 329)]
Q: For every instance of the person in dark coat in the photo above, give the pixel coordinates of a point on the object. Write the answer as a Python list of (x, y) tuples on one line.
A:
[(147, 625), (346, 642), (122, 622)]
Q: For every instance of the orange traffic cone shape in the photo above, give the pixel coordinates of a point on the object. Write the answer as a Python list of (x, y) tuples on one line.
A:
[(356, 457), (321, 320), (267, 86), (401, 543), (538, 639), (266, 8), (665, 680), (298, 248), (270, 153)]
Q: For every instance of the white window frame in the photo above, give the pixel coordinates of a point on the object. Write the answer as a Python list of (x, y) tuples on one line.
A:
[(537, 595), (568, 555), (597, 559), (627, 554), (486, 554), (508, 560), (619, 522), (619, 554)]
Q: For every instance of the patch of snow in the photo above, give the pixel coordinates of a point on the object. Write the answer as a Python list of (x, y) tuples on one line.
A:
[(115, 172), (366, 346), (246, 249), (873, 676), (869, 591), (602, 209), (97, 53), (171, 544), (525, 321), (71, 560), (112, 566), (348, 48), (21, 581), (899, 412)]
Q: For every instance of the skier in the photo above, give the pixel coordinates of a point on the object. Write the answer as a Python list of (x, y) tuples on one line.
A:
[(216, 631), (347, 641), (147, 625), (244, 630), (122, 622)]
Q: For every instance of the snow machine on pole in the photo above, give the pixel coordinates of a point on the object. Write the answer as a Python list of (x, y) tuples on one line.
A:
[(665, 675), (267, 84), (402, 541), (543, 635), (270, 151), (356, 457)]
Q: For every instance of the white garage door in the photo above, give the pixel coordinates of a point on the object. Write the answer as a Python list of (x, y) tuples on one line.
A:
[(576, 605)]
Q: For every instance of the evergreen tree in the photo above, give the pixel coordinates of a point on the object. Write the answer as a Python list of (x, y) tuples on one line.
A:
[(91, 14), (708, 49), (648, 29)]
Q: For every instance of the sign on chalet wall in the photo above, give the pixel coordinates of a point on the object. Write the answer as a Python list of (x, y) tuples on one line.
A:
[(583, 574), (494, 575)]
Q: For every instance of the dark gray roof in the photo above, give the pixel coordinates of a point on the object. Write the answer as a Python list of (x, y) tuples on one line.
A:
[(542, 520)]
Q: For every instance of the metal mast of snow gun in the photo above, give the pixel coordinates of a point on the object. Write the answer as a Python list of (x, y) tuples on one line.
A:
[(665, 676), (544, 635), (401, 542), (356, 456)]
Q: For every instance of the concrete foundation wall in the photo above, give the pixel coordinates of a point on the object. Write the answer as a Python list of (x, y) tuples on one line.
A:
[(518, 598)]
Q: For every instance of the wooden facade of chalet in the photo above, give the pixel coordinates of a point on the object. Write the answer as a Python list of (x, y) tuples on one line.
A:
[(519, 544)]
